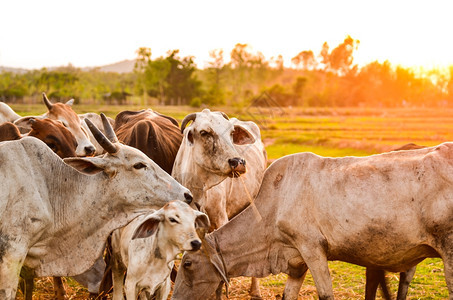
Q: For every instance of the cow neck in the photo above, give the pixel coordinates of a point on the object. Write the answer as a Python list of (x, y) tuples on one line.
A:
[(243, 244), (82, 206), (200, 184)]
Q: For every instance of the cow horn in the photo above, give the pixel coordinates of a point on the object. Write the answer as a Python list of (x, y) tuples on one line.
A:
[(109, 132), (100, 137), (224, 115), (187, 119), (46, 101)]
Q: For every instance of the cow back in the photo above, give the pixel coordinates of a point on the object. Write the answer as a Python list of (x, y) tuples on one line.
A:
[(155, 135)]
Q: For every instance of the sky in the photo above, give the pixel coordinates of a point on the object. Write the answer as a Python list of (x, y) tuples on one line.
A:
[(48, 33)]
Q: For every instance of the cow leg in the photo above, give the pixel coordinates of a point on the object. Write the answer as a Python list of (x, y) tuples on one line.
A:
[(164, 290), (10, 266), (405, 280), (448, 268), (316, 260), (118, 272), (374, 278), (130, 288), (27, 284), (254, 291), (292, 286), (58, 288)]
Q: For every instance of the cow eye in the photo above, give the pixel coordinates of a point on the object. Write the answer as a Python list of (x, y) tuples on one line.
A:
[(173, 220), (204, 133), (187, 264), (139, 166)]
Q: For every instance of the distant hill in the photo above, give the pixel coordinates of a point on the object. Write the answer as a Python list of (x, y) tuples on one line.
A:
[(125, 66), (13, 70)]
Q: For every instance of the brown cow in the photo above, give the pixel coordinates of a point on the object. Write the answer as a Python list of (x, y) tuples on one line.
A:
[(63, 112), (156, 135), (51, 132)]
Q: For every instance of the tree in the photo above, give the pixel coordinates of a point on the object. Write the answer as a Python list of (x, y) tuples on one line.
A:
[(156, 78), (215, 93), (182, 86), (341, 58), (141, 63), (305, 60)]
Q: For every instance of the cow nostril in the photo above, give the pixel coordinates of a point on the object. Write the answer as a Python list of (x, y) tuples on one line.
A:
[(233, 162), (196, 244), (188, 197), (89, 150)]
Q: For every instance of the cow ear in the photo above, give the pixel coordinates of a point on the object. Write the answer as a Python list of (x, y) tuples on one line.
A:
[(148, 227), (190, 137), (242, 136), (25, 123), (202, 223), (216, 261), (70, 102), (86, 165)]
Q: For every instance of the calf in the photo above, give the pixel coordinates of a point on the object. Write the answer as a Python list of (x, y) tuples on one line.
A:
[(148, 245)]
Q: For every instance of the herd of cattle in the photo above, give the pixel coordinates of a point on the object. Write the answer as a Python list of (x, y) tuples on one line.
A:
[(147, 189)]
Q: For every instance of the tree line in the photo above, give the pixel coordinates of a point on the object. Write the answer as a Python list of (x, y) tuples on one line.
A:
[(329, 78)]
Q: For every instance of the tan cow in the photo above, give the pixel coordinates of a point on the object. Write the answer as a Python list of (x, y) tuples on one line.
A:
[(65, 114), (148, 246), (387, 211), (213, 153)]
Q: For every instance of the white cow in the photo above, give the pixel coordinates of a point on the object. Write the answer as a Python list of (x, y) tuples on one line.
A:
[(213, 153), (7, 114), (55, 217), (96, 120), (148, 246), (386, 211)]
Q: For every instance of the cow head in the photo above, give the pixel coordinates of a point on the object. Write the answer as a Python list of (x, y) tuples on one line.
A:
[(55, 135), (200, 275), (132, 175), (178, 223), (211, 138), (64, 113)]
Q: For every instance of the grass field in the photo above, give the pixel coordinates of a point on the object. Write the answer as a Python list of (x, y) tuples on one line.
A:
[(327, 132)]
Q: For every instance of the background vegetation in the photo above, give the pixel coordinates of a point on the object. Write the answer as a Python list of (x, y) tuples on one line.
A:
[(329, 78)]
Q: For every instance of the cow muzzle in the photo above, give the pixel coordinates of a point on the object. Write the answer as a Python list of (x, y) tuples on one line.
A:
[(237, 166)]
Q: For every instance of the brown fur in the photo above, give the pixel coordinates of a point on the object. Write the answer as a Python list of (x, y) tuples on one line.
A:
[(56, 136), (155, 135), (9, 132)]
